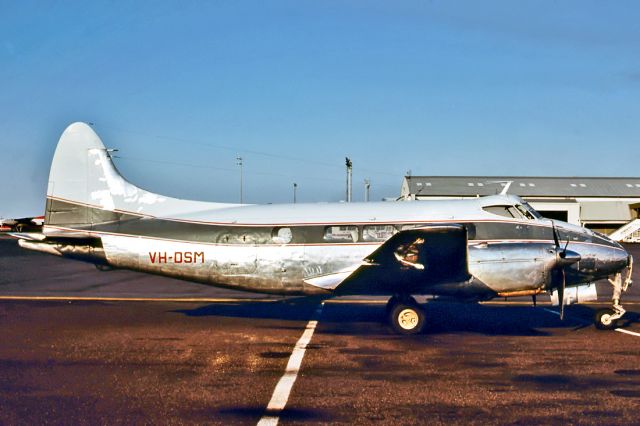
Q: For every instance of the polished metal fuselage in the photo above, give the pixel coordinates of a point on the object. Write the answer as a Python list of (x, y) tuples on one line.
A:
[(94, 214), (515, 264)]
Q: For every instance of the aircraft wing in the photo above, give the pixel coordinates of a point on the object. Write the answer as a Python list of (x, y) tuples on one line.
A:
[(412, 261)]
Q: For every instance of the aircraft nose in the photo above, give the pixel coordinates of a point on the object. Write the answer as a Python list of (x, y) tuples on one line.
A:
[(618, 259)]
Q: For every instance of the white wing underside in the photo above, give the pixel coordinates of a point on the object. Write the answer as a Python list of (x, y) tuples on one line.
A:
[(333, 280)]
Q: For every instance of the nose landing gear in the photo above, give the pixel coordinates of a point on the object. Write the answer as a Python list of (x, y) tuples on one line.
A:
[(605, 319)]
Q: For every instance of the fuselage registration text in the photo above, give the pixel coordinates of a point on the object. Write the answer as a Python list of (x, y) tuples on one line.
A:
[(176, 257)]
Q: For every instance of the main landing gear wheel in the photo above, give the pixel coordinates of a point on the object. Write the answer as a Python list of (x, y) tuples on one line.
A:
[(605, 319), (406, 318)]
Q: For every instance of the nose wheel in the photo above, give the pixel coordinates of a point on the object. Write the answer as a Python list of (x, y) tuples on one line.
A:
[(606, 319), (405, 315)]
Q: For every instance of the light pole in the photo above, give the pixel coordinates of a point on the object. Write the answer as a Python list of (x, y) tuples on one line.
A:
[(367, 187), (295, 189), (349, 176), (239, 163)]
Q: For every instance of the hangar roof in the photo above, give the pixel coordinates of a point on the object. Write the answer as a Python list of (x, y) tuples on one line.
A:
[(610, 187)]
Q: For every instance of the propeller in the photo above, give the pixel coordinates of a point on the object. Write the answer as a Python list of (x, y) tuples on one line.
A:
[(561, 293), (564, 258)]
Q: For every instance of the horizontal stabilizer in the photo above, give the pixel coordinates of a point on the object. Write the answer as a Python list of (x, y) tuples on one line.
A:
[(30, 236)]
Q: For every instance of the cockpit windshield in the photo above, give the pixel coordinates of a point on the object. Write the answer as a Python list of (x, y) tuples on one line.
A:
[(505, 211), (518, 211), (524, 212), (531, 210)]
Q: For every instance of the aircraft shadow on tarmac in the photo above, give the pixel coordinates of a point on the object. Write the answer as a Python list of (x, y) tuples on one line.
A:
[(290, 414), (299, 309), (364, 319), (628, 319), (586, 314)]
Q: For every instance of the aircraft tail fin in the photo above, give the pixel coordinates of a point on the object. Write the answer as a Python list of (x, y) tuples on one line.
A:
[(85, 187)]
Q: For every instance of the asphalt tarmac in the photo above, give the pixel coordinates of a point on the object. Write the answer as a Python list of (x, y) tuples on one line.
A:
[(88, 355)]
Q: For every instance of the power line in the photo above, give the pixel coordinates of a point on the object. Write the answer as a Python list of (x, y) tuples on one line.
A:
[(200, 166), (196, 142)]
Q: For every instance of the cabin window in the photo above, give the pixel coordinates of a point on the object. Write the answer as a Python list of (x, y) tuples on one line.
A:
[(281, 235), (377, 232), (505, 211), (345, 234), (412, 226)]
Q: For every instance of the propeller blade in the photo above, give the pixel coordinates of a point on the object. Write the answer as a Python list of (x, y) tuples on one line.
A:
[(555, 234), (561, 294), (561, 262)]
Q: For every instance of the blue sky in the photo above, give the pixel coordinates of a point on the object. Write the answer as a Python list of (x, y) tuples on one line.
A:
[(442, 88)]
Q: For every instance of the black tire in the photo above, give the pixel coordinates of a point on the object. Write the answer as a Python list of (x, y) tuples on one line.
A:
[(390, 304), (394, 300), (407, 318), (602, 319)]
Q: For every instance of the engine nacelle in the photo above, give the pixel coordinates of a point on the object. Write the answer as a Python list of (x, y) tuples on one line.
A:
[(579, 294)]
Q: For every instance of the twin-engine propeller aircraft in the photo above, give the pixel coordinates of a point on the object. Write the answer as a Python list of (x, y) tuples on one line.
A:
[(470, 250)]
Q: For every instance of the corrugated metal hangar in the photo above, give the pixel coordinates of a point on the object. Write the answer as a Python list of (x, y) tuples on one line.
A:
[(600, 203)]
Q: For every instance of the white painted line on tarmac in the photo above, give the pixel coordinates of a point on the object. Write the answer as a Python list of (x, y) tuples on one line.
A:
[(283, 388), (359, 301), (566, 316), (139, 299), (551, 311), (540, 303), (622, 330)]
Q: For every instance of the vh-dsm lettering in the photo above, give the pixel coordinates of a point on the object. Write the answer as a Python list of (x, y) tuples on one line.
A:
[(176, 257)]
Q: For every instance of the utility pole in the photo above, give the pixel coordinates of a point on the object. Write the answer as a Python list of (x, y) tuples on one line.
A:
[(349, 176), (239, 163), (367, 187), (295, 189)]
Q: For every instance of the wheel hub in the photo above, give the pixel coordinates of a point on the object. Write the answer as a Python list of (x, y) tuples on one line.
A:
[(605, 319), (408, 319)]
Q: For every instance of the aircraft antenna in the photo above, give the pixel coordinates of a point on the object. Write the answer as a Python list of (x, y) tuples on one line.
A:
[(506, 183), (506, 188)]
